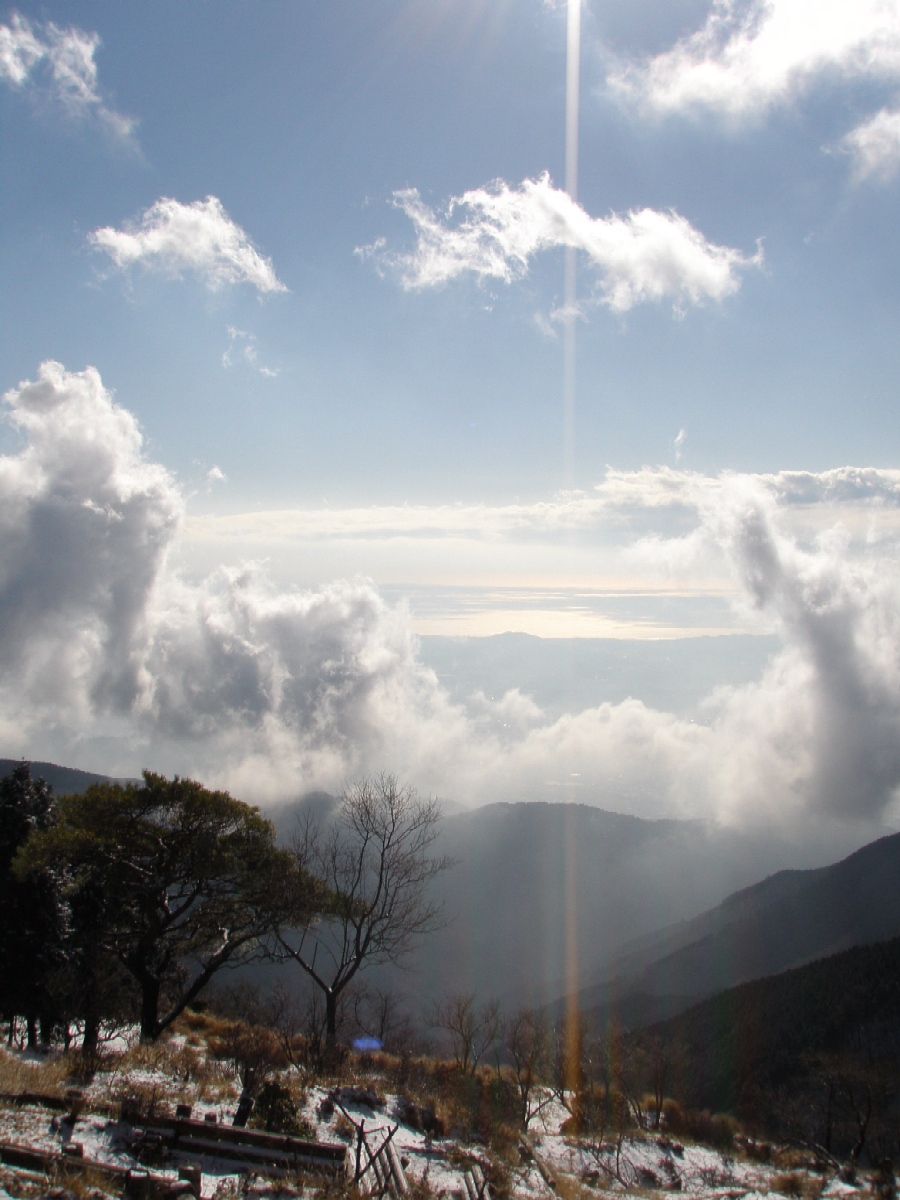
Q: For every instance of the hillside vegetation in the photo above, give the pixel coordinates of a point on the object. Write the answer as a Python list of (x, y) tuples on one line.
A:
[(812, 1054)]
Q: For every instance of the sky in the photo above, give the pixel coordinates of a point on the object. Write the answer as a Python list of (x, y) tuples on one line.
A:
[(288, 351)]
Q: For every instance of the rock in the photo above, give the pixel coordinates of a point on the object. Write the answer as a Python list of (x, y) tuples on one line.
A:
[(420, 1117), (358, 1095)]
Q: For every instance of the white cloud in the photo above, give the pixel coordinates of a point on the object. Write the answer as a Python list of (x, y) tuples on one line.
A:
[(271, 691), (751, 54), (58, 65), (199, 238), (242, 348), (874, 146), (241, 345), (86, 524), (642, 256), (622, 495), (677, 445)]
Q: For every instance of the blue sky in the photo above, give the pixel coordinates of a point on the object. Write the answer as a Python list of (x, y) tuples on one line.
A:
[(304, 119), (313, 255)]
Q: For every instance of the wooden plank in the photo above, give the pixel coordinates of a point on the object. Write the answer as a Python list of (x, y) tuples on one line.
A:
[(482, 1187), (546, 1174), (182, 1128), (256, 1155), (400, 1181)]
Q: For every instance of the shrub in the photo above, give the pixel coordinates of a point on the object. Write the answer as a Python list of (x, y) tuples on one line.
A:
[(277, 1111), (253, 1049), (596, 1110), (717, 1130), (788, 1184)]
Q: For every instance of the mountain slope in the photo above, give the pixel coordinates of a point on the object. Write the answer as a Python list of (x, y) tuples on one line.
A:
[(787, 920), (792, 1050), (64, 780), (541, 890)]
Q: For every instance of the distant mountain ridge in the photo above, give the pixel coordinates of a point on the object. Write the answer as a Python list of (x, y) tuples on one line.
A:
[(789, 919), (64, 780), (541, 890), (544, 892)]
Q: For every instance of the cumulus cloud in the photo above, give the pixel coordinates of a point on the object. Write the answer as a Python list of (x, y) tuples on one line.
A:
[(57, 65), (96, 625), (828, 710), (874, 146), (200, 238), (86, 524), (751, 54), (271, 691), (494, 232)]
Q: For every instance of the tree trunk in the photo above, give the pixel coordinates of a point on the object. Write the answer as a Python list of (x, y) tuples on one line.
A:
[(149, 1009), (330, 1018), (91, 1034), (31, 1022)]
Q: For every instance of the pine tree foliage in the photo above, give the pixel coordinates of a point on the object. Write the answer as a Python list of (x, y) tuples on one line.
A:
[(32, 953), (176, 880)]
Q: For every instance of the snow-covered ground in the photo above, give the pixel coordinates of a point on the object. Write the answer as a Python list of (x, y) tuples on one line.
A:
[(177, 1072)]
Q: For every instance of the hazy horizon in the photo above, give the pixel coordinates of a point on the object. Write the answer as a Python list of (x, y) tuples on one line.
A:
[(346, 344)]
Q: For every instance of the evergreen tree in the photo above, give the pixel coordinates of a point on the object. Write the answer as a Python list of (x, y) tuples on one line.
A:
[(33, 925), (172, 880)]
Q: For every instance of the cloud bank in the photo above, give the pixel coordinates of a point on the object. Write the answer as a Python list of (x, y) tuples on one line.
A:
[(639, 257), (272, 692), (200, 238), (57, 65), (624, 499), (752, 54)]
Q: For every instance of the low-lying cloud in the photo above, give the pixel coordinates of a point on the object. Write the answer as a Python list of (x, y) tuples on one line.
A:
[(623, 498), (494, 232), (200, 238), (57, 66), (272, 692)]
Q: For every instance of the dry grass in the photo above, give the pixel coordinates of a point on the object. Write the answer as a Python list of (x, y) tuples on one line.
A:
[(570, 1189), (797, 1184), (50, 1075), (178, 1074), (201, 1025)]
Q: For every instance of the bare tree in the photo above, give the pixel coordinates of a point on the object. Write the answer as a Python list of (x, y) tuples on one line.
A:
[(526, 1036), (472, 1028), (655, 1061), (378, 1013), (375, 859)]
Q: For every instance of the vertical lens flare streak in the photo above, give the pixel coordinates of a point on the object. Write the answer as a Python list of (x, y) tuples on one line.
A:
[(573, 63)]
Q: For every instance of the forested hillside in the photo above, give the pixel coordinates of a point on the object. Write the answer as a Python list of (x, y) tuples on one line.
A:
[(812, 1053)]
